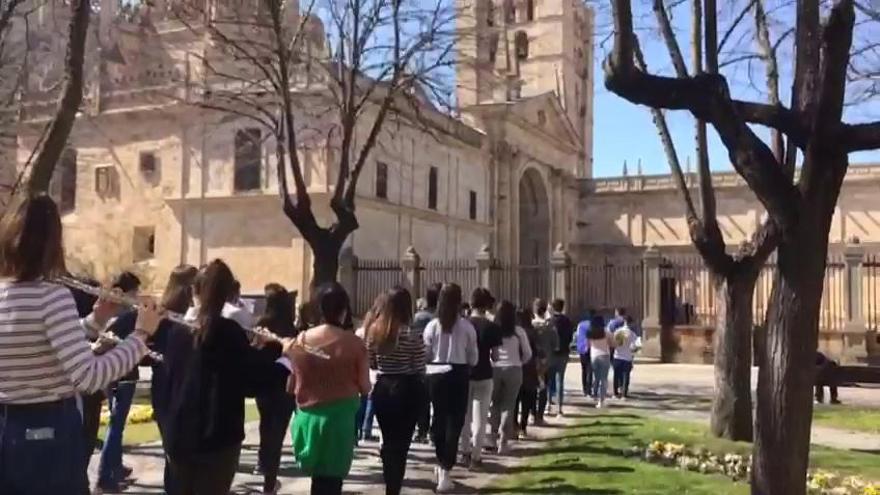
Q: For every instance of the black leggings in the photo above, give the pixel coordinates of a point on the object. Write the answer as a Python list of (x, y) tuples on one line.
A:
[(449, 398), (323, 485), (275, 411), (526, 402)]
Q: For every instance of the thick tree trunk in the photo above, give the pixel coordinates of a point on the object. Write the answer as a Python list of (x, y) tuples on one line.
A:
[(325, 261), (785, 381), (732, 404)]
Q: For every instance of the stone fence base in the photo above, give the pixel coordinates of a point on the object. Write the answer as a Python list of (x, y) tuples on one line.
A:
[(694, 345)]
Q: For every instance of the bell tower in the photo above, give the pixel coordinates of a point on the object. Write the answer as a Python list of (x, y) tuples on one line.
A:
[(511, 49)]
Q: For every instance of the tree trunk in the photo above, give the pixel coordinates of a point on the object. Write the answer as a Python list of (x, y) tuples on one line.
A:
[(68, 106), (325, 261), (785, 381), (732, 404)]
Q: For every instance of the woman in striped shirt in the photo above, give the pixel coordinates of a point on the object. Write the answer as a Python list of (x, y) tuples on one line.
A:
[(397, 353), (45, 357)]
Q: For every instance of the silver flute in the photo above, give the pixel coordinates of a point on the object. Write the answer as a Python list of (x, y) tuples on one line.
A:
[(178, 318)]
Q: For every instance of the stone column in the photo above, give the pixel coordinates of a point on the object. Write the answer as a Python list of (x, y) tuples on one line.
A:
[(412, 271), (560, 266), (855, 330), (651, 328), (347, 274), (484, 268)]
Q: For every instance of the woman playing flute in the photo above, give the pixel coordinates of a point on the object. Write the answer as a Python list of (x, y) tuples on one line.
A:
[(45, 356), (210, 370)]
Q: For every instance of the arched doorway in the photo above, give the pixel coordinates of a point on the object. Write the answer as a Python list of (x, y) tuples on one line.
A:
[(534, 237)]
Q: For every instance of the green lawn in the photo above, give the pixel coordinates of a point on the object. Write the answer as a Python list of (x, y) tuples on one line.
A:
[(149, 432), (848, 418), (589, 459)]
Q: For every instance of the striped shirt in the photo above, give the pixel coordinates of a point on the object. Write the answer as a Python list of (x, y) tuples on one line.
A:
[(407, 358), (44, 352)]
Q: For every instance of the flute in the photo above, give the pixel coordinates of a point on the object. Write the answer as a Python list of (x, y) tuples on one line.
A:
[(178, 318), (112, 338)]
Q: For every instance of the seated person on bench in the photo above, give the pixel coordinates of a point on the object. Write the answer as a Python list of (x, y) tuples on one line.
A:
[(825, 377)]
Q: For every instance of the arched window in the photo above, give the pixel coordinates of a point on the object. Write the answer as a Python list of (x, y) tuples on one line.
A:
[(490, 13), (509, 12), (493, 47), (521, 41), (530, 10)]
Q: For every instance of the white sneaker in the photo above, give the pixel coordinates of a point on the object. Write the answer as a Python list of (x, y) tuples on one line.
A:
[(444, 484), (600, 405)]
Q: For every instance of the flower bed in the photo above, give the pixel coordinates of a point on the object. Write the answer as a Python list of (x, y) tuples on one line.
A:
[(738, 468), (137, 415)]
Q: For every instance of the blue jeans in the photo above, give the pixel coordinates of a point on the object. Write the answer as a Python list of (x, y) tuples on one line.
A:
[(556, 379), (363, 421), (41, 449), (119, 399), (622, 371), (601, 365)]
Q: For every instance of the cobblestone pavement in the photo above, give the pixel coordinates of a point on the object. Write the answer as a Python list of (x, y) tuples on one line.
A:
[(680, 392)]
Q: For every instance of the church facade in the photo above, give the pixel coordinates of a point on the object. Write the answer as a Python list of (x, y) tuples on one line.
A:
[(149, 182)]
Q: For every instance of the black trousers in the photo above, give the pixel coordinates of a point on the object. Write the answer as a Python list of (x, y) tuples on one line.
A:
[(827, 369), (275, 411), (586, 374), (204, 474), (543, 396), (322, 485), (526, 402), (424, 422), (449, 398), (397, 401)]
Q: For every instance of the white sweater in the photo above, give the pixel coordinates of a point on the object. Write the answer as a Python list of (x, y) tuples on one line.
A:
[(513, 351)]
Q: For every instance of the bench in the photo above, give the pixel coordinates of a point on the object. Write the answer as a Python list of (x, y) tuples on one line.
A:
[(849, 376)]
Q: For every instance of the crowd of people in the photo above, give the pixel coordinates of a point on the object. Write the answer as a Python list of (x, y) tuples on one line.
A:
[(474, 374)]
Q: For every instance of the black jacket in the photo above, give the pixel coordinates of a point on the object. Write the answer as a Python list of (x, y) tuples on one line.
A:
[(206, 386), (565, 330)]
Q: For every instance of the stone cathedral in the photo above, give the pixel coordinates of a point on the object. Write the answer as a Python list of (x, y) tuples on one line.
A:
[(149, 182)]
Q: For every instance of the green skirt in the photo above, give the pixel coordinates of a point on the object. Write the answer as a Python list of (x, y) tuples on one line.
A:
[(324, 438)]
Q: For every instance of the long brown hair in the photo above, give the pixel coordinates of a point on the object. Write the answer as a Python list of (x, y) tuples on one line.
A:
[(278, 315), (178, 295), (30, 239), (449, 306), (217, 283), (390, 312)]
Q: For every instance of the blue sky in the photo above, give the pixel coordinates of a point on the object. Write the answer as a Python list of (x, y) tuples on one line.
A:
[(623, 131)]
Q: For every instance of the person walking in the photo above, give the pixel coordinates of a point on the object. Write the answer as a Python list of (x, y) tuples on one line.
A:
[(451, 342), (211, 370), (600, 359), (561, 324), (548, 342), (111, 471), (583, 350), (421, 319), (473, 435), (507, 374), (397, 354), (276, 406), (624, 341), (177, 297), (327, 393), (47, 358), (528, 393)]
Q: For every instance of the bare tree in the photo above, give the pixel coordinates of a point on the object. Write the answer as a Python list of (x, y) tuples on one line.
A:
[(71, 98), (799, 209), (385, 59)]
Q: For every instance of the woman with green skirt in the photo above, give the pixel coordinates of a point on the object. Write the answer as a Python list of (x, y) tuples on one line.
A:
[(328, 393)]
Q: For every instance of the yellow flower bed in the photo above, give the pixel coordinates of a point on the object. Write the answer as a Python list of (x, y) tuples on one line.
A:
[(738, 468), (137, 415)]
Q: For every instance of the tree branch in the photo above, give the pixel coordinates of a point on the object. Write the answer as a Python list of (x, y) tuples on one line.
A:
[(768, 54), (68, 107), (707, 97), (861, 137), (669, 38)]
